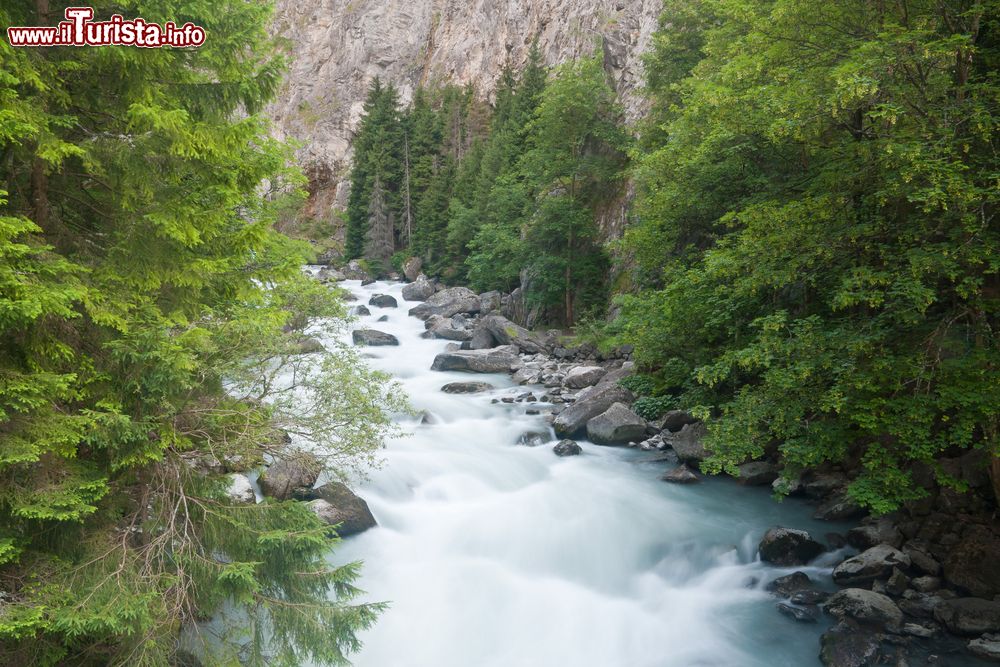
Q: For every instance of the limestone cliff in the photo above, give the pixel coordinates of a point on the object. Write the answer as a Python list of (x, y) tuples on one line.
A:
[(336, 47)]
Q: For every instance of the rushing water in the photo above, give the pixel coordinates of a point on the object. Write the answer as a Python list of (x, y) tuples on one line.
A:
[(498, 554)]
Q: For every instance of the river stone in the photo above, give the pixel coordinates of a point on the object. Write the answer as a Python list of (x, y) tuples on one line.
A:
[(496, 360), (878, 531), (291, 477), (308, 345), (875, 563), (616, 426), (373, 338), (384, 318), (448, 302), (847, 644), (680, 475), (448, 328), (808, 614), (574, 419), (757, 473), (481, 340), (240, 489), (839, 507), (360, 310), (383, 301), (789, 584), (466, 387), (506, 332), (969, 617), (987, 647), (972, 563), (533, 438), (412, 267), (866, 607), (922, 560), (583, 376), (567, 448), (336, 503), (420, 290), (688, 443), (675, 420), (787, 546), (490, 301), (354, 271), (809, 596)]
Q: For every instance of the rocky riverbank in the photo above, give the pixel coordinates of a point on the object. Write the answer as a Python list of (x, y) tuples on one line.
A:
[(913, 582)]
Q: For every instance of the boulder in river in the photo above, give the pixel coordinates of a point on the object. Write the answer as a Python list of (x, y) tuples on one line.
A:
[(675, 420), (584, 376), (466, 387), (574, 419), (839, 507), (866, 607), (448, 302), (335, 503), (420, 290), (986, 647), (373, 338), (787, 546), (240, 489), (802, 614), (490, 301), (567, 448), (757, 473), (506, 332), (291, 477), (972, 563), (360, 310), (874, 563), (617, 425), (383, 301), (789, 584), (481, 340), (680, 475), (496, 360), (354, 271), (848, 644), (877, 531), (412, 268), (688, 443), (448, 328), (969, 617)]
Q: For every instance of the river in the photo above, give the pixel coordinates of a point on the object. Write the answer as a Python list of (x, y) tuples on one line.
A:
[(497, 554)]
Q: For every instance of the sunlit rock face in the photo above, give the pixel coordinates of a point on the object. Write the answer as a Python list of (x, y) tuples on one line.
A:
[(336, 47)]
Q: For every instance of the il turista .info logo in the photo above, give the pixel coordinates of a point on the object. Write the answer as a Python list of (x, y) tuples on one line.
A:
[(79, 29)]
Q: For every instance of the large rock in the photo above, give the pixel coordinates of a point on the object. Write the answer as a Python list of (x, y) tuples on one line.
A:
[(481, 340), (354, 271), (336, 504), (787, 546), (292, 477), (448, 328), (373, 338), (583, 376), (616, 426), (874, 563), (972, 563), (675, 420), (567, 448), (986, 647), (875, 532), (448, 302), (688, 443), (680, 475), (240, 489), (790, 584), (420, 290), (490, 301), (466, 387), (496, 360), (383, 301), (506, 332), (757, 473), (574, 419), (866, 607), (848, 644), (839, 507), (969, 617), (412, 268)]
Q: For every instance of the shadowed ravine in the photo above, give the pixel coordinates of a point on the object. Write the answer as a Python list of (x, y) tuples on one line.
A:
[(492, 553)]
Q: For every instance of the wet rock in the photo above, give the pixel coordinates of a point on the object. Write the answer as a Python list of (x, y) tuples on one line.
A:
[(384, 318), (567, 448), (920, 605), (490, 301), (367, 281), (496, 360), (292, 477), (447, 302), (986, 647), (789, 584), (240, 489), (875, 532), (466, 387), (866, 607), (574, 419), (839, 507), (926, 584), (969, 617), (373, 338), (972, 563), (919, 630), (681, 475), (808, 614), (757, 473), (420, 290), (336, 504), (360, 310), (819, 485), (922, 560), (533, 438), (786, 546), (898, 582), (308, 345), (810, 596), (412, 268), (615, 426), (506, 332), (481, 340), (847, 644), (354, 271), (875, 563), (584, 376), (675, 420), (383, 301), (448, 328), (688, 443)]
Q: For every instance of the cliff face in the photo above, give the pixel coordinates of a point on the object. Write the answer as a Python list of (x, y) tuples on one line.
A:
[(336, 47)]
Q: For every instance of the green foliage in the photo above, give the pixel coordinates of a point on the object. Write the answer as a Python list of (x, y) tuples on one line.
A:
[(144, 302), (640, 385), (817, 238), (651, 407)]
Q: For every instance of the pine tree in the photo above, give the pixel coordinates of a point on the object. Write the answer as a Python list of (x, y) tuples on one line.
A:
[(379, 242)]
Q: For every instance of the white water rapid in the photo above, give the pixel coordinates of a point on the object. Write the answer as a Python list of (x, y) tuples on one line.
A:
[(494, 554)]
